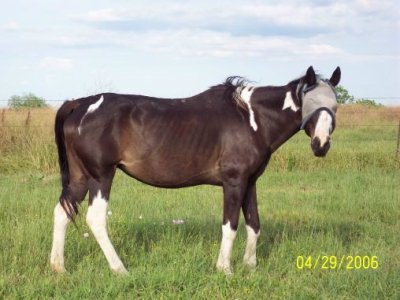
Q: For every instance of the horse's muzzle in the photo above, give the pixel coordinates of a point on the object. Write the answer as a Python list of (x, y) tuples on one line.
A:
[(318, 149)]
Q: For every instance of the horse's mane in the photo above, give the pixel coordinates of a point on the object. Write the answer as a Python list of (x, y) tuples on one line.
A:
[(233, 85)]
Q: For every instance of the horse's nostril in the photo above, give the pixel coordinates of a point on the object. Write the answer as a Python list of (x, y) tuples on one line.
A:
[(315, 142), (318, 149)]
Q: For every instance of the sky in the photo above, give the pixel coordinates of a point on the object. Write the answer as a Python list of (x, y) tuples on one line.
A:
[(69, 49)]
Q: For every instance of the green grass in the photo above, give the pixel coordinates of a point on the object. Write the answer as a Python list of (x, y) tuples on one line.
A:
[(346, 204), (302, 213)]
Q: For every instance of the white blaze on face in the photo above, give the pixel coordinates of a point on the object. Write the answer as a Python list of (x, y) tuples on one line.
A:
[(323, 127), (91, 109), (289, 103), (96, 218), (224, 258), (245, 95)]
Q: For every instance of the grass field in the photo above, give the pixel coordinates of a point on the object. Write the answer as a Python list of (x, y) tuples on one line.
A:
[(347, 204)]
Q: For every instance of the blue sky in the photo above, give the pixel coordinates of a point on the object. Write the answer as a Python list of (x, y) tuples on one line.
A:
[(70, 49)]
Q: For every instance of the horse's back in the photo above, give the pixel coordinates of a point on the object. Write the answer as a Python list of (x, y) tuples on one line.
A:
[(165, 142)]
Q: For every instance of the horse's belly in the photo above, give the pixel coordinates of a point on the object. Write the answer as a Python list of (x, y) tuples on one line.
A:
[(172, 173)]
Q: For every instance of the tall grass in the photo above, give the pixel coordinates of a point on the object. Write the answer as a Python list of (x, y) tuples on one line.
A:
[(27, 141)]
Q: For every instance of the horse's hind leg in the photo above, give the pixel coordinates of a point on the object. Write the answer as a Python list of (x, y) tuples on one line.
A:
[(251, 217), (96, 218), (234, 189), (75, 192)]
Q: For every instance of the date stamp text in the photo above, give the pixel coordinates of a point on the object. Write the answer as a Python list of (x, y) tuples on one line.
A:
[(333, 262)]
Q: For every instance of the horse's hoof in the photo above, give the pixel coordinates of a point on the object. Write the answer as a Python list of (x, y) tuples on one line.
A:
[(121, 271), (250, 263), (58, 268), (226, 269)]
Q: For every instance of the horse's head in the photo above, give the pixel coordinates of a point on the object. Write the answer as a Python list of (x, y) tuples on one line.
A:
[(319, 109)]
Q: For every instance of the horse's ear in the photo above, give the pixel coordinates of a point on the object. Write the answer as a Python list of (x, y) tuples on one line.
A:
[(335, 77), (310, 78)]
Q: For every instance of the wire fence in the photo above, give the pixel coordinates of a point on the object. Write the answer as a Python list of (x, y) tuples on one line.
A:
[(393, 100), (25, 120), (363, 97), (398, 143), (25, 116)]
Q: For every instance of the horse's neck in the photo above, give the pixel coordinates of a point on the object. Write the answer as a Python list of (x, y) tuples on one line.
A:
[(278, 121)]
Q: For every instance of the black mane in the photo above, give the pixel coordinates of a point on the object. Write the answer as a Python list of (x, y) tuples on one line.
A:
[(231, 83), (232, 87), (236, 81)]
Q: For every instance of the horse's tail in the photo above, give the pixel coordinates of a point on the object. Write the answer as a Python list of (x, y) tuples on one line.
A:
[(70, 207)]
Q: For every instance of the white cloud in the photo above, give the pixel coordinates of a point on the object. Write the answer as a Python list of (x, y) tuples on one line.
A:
[(359, 34), (340, 14), (322, 49), (192, 42), (11, 26), (273, 29), (102, 15), (196, 42), (56, 64)]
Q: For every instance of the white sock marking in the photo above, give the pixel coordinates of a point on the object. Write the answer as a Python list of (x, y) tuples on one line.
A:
[(91, 109), (96, 218), (289, 103), (224, 258), (245, 95), (61, 222), (323, 127), (249, 258)]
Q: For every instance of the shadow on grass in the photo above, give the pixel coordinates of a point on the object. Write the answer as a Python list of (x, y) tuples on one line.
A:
[(279, 231), (273, 233)]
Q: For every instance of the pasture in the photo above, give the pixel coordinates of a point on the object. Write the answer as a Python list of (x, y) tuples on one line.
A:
[(341, 206)]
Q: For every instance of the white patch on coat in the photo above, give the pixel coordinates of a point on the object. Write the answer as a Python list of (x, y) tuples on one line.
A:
[(96, 218), (91, 109), (224, 258), (61, 222), (323, 127), (289, 103), (95, 105), (245, 95), (249, 258)]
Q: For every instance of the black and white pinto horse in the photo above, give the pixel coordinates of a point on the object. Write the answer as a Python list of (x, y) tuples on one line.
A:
[(223, 136)]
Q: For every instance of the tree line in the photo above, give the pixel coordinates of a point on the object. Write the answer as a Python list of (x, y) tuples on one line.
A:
[(30, 100)]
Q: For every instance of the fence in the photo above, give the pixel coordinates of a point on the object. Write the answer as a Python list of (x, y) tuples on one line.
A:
[(24, 118), (398, 143)]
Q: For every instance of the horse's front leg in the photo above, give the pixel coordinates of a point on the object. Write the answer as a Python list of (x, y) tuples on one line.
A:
[(233, 198), (250, 213)]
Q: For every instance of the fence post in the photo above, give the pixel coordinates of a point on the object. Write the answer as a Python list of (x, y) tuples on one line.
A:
[(28, 119), (398, 143), (3, 116)]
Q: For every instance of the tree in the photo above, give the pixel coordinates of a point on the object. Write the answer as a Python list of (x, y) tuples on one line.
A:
[(26, 101), (343, 96), (368, 102)]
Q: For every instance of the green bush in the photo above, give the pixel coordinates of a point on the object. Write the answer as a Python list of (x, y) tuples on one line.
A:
[(343, 96), (368, 102), (26, 101)]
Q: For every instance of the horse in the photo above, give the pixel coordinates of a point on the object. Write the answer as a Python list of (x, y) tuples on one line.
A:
[(223, 136)]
